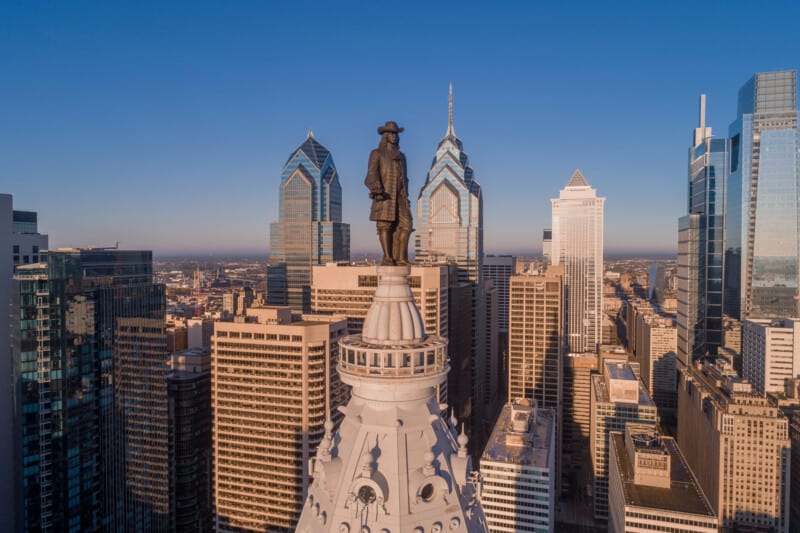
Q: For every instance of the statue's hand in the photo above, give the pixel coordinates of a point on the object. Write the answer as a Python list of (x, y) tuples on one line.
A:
[(379, 196)]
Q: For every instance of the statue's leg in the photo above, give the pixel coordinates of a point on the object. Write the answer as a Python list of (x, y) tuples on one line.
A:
[(402, 234), (385, 237)]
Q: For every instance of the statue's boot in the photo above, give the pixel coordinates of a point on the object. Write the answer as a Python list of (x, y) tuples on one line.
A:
[(385, 236), (401, 247)]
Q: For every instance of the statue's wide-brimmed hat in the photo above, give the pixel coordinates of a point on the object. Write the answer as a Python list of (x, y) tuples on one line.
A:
[(391, 126)]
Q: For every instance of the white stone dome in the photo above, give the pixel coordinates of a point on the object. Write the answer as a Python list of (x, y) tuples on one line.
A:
[(393, 319)]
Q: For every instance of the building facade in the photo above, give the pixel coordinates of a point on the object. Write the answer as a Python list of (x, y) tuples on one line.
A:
[(189, 386), (499, 269), (577, 416), (618, 398), (19, 230), (737, 444), (578, 247), (82, 319), (770, 352), (651, 487), (273, 383), (309, 230), (536, 342), (657, 360), (762, 249), (518, 470)]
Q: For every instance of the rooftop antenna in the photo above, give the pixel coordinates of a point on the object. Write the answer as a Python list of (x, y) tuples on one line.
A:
[(450, 131)]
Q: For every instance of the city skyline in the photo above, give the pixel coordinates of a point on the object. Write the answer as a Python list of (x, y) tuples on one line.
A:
[(177, 113)]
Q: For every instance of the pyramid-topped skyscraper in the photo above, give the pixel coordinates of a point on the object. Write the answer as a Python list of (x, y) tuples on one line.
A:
[(310, 230), (578, 246)]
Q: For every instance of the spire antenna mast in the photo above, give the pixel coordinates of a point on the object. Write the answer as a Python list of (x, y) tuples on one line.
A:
[(450, 131)]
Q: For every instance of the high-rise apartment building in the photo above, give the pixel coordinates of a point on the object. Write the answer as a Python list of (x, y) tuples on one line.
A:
[(518, 470), (309, 230), (578, 247), (770, 352), (618, 398), (189, 384), (651, 487), (450, 210), (19, 231), (737, 444), (701, 245), (762, 237), (89, 371), (274, 383)]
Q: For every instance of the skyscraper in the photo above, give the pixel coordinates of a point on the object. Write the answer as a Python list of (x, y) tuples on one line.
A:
[(700, 247), (274, 382), (19, 231), (761, 230), (90, 388), (578, 247), (450, 230), (450, 209), (310, 230)]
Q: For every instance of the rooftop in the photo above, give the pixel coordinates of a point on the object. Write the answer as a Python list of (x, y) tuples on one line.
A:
[(684, 494), (531, 447)]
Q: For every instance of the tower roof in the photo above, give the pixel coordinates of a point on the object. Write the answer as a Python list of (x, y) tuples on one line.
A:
[(314, 150), (395, 464), (577, 180)]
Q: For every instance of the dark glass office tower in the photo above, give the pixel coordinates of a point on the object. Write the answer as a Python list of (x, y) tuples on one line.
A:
[(90, 393), (761, 229), (700, 249), (310, 230)]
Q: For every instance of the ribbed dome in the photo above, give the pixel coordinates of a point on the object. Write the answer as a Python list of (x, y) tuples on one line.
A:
[(393, 318)]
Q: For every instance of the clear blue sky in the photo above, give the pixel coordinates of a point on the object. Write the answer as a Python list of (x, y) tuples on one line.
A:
[(165, 125)]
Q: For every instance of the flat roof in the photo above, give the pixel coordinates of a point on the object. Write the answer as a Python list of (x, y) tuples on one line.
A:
[(532, 448), (684, 494), (601, 392)]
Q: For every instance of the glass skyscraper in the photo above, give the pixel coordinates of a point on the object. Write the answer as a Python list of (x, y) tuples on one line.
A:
[(700, 247), (450, 210), (761, 229), (89, 393), (578, 246), (310, 230)]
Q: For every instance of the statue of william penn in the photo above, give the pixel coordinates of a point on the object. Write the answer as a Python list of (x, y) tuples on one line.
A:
[(388, 187)]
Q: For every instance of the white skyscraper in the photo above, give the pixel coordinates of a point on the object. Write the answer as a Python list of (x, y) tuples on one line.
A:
[(578, 246)]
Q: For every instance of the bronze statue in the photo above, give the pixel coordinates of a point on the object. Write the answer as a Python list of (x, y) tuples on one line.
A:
[(388, 187)]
